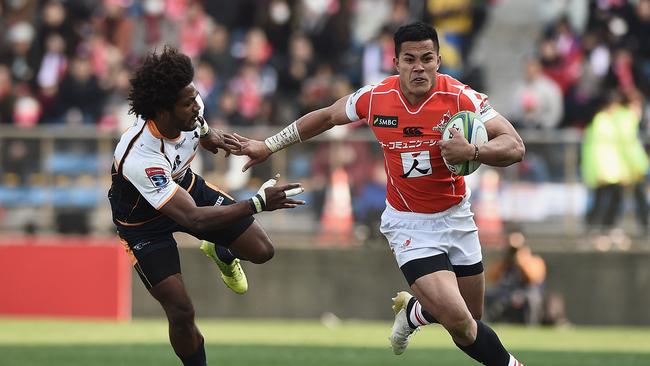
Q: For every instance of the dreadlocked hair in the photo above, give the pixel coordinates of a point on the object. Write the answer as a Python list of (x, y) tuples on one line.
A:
[(156, 84)]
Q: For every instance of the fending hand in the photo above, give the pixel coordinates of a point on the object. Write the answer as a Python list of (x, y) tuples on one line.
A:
[(271, 197), (256, 150)]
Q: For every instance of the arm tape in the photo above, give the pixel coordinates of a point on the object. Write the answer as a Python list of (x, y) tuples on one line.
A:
[(287, 137)]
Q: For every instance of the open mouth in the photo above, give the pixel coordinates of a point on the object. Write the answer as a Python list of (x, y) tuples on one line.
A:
[(419, 80)]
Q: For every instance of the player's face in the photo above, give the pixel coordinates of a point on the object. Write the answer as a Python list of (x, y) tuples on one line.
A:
[(417, 65), (186, 109)]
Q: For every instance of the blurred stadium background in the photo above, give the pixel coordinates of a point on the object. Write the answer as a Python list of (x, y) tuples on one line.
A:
[(546, 65)]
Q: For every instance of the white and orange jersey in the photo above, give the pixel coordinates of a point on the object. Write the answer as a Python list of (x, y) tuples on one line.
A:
[(418, 180), (152, 163), (148, 169)]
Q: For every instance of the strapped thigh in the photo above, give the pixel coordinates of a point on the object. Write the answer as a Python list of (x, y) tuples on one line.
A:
[(419, 267)]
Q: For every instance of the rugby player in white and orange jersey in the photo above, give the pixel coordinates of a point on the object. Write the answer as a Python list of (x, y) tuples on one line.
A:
[(427, 221), (154, 193)]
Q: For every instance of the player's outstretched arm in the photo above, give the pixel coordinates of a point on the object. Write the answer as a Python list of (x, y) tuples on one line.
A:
[(307, 126), (182, 208)]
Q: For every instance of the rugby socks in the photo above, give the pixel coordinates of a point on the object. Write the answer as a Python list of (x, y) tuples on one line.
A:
[(416, 315), (224, 254), (195, 359), (487, 348)]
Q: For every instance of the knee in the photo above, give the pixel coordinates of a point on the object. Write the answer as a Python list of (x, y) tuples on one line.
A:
[(264, 253), (180, 315), (461, 329)]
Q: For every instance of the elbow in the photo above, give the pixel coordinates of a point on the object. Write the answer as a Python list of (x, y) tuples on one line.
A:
[(520, 152), (195, 222)]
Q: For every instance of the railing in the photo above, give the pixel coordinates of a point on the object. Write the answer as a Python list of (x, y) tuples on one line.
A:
[(56, 179)]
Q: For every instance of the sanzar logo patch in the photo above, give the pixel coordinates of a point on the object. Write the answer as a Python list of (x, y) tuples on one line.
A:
[(384, 121), (157, 177)]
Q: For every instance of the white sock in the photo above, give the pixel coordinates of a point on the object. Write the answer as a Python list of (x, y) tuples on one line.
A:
[(415, 315), (514, 362)]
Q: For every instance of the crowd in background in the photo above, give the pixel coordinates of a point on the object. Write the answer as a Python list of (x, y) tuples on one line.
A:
[(266, 62), (587, 49), (67, 63), (257, 62)]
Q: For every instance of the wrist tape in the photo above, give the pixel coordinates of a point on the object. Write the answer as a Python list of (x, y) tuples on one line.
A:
[(288, 136), (257, 203), (205, 128)]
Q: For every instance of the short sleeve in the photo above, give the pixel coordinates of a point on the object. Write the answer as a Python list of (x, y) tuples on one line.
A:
[(358, 103), (151, 176), (478, 103)]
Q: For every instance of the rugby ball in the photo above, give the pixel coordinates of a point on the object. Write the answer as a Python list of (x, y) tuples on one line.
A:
[(470, 126)]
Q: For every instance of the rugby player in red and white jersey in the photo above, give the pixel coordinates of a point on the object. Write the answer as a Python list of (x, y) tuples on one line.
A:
[(154, 193), (427, 220)]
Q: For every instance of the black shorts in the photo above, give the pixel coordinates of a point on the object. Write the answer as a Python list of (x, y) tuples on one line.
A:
[(156, 235), (417, 268)]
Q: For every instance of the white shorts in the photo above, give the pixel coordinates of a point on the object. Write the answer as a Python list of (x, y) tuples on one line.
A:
[(415, 235)]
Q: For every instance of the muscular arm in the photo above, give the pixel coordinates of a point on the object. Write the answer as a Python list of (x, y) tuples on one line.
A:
[(316, 122), (183, 210), (307, 126), (505, 146)]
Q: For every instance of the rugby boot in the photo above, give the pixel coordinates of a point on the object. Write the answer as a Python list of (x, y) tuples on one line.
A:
[(401, 332), (232, 274)]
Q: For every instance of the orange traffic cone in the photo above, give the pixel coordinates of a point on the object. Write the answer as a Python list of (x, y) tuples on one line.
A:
[(488, 216), (337, 222)]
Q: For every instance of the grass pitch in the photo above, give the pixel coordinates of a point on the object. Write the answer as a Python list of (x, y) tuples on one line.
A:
[(287, 343)]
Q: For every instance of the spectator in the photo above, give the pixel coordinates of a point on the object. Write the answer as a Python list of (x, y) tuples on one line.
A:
[(194, 29), (217, 53), (55, 21), (587, 94), (453, 19), (538, 99), (18, 54), (209, 86), (604, 169), (292, 74), (517, 292), (378, 57), (636, 158), (639, 30), (117, 25), (50, 73), (80, 96), (7, 96)]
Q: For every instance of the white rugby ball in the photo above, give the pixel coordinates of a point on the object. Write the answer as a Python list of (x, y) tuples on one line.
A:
[(470, 126)]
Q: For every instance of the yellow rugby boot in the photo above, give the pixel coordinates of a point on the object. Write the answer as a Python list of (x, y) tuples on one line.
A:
[(232, 274)]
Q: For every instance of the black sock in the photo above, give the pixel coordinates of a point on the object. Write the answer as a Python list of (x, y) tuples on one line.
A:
[(409, 308), (487, 348), (195, 359), (224, 254)]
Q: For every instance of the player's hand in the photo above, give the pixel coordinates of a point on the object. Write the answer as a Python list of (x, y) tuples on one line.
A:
[(456, 150), (271, 197), (218, 139), (256, 150)]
